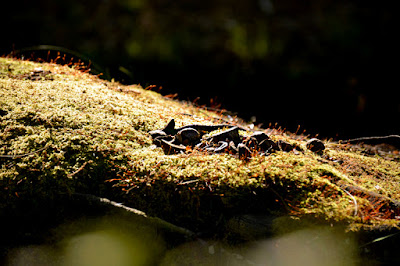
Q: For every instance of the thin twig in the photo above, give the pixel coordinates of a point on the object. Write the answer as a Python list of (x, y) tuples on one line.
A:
[(80, 168), (23, 155), (379, 239), (354, 200), (189, 182)]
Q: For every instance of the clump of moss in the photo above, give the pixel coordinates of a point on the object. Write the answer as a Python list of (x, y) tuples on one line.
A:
[(74, 132)]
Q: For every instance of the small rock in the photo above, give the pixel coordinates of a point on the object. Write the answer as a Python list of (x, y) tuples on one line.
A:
[(315, 145), (251, 142), (188, 136), (231, 134), (170, 128), (157, 133), (268, 145), (259, 136), (285, 146)]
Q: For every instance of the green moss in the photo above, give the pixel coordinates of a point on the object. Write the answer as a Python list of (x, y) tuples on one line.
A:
[(88, 135)]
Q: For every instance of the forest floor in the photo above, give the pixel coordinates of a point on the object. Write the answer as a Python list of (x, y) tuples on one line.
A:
[(66, 132)]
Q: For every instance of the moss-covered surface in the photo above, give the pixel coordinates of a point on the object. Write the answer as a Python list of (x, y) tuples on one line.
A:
[(63, 131)]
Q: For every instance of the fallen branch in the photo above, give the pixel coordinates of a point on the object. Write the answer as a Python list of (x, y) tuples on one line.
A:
[(137, 216)]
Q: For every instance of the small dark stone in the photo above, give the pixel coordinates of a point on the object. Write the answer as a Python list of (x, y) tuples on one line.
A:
[(177, 140), (188, 136), (298, 148), (315, 145), (157, 133), (231, 134), (170, 128), (285, 146), (259, 136), (268, 145), (251, 142)]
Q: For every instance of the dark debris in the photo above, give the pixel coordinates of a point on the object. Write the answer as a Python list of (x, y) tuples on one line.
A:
[(189, 138)]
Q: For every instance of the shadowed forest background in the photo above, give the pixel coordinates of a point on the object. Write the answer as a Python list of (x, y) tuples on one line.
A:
[(329, 66)]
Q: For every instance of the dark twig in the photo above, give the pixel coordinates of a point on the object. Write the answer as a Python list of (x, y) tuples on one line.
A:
[(80, 168), (391, 139)]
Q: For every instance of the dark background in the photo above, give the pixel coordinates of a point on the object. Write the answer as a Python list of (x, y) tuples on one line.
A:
[(329, 66)]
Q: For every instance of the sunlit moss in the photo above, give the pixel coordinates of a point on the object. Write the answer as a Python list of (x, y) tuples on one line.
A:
[(92, 137)]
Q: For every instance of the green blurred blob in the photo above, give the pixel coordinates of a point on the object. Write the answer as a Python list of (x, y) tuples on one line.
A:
[(248, 44), (105, 248), (309, 247), (316, 246)]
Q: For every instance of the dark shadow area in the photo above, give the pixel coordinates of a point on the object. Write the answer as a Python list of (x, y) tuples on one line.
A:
[(328, 66)]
